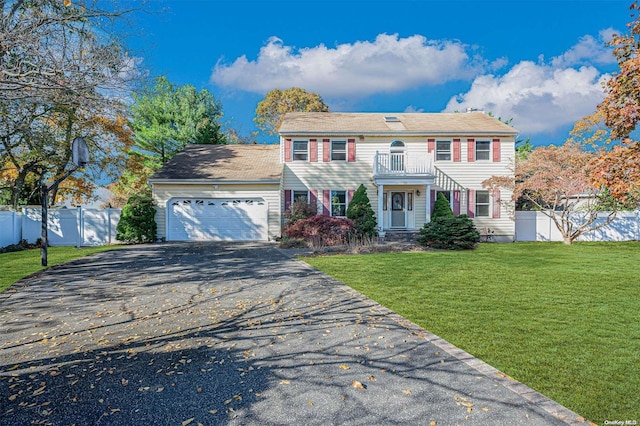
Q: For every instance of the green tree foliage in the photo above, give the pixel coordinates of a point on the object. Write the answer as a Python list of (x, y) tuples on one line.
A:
[(298, 211), (278, 102), (361, 213), (137, 223), (441, 207), (165, 118), (451, 233)]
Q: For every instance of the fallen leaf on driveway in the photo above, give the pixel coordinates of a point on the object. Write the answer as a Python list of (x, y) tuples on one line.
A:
[(345, 367), (285, 382), (357, 385), (406, 392), (188, 421)]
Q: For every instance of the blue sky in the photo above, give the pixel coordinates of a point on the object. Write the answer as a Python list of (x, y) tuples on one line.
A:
[(541, 63)]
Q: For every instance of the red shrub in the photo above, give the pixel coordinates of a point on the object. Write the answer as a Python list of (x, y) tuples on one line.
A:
[(322, 230)]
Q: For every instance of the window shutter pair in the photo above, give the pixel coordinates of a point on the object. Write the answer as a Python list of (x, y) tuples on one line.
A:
[(471, 203)]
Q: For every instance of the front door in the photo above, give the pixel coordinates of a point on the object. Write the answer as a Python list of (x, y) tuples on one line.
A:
[(398, 210)]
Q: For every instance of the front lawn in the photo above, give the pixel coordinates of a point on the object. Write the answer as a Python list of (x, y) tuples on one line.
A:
[(20, 264), (564, 320)]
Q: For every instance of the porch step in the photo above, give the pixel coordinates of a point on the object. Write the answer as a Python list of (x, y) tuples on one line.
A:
[(401, 236)]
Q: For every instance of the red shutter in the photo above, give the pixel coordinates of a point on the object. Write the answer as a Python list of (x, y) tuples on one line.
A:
[(350, 195), (496, 204), (471, 150), (313, 149), (471, 203), (456, 202), (431, 145), (351, 147), (287, 150), (496, 150), (456, 150), (287, 199), (326, 150), (313, 199), (326, 202)]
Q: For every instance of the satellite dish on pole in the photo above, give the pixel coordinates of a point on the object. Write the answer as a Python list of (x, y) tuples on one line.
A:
[(80, 152)]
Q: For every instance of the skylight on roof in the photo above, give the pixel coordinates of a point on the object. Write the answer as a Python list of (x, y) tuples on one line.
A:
[(391, 119)]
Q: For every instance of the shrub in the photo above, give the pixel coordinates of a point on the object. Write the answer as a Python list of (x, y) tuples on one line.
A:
[(323, 230), (298, 211), (293, 243), (452, 233), (137, 223), (21, 245), (441, 208), (362, 215)]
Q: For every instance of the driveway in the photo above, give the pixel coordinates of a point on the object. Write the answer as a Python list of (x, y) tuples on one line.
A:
[(222, 333)]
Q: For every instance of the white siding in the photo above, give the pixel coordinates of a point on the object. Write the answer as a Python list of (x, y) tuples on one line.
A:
[(304, 175), (269, 192)]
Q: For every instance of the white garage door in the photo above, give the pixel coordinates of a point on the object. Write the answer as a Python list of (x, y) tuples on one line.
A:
[(216, 219)]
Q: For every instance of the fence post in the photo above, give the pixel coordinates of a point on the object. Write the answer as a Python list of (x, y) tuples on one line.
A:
[(79, 226)]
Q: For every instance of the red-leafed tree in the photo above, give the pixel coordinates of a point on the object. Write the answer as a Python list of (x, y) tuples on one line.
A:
[(618, 169), (556, 180)]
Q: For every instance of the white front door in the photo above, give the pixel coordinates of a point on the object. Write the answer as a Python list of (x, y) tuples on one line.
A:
[(398, 210)]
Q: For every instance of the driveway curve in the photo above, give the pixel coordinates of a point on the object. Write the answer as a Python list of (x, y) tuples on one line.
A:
[(232, 333)]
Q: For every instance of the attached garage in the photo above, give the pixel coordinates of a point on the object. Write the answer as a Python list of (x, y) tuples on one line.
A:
[(219, 193), (217, 219)]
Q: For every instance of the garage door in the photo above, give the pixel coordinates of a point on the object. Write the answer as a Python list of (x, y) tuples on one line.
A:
[(216, 219)]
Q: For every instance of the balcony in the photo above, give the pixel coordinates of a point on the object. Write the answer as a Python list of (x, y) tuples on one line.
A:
[(400, 164)]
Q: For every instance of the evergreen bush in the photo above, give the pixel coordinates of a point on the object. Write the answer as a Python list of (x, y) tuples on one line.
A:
[(451, 233), (442, 208), (137, 223), (361, 213)]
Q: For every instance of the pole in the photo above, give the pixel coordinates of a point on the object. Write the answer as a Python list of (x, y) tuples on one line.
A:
[(43, 251)]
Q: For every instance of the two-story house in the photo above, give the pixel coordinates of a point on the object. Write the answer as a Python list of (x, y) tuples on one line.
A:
[(404, 160), (240, 192)]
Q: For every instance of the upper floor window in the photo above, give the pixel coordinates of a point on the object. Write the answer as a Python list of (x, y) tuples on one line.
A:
[(338, 150), (300, 150), (482, 203), (443, 150), (483, 150), (338, 203)]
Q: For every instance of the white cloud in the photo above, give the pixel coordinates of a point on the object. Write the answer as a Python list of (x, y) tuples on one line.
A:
[(540, 98), (388, 64), (589, 50)]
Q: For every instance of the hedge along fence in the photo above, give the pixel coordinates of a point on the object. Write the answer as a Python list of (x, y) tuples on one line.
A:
[(66, 227)]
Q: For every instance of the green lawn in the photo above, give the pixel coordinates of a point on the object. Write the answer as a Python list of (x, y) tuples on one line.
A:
[(19, 264), (565, 320)]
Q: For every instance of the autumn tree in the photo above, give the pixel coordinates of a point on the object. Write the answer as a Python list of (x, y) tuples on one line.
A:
[(62, 72), (278, 102), (556, 180)]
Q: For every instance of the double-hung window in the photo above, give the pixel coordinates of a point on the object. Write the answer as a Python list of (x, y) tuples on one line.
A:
[(482, 203), (338, 150), (302, 196), (300, 150), (443, 150), (483, 150), (338, 203)]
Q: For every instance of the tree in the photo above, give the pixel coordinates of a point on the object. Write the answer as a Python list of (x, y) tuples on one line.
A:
[(278, 102), (557, 181), (441, 207), (361, 213), (165, 118), (62, 73)]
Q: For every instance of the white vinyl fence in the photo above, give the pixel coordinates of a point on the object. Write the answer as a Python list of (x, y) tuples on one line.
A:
[(535, 226), (66, 227)]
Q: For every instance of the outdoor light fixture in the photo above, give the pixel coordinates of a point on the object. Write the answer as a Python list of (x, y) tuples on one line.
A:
[(417, 193), (80, 158)]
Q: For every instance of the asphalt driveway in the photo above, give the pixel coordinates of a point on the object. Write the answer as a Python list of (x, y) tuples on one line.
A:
[(221, 333)]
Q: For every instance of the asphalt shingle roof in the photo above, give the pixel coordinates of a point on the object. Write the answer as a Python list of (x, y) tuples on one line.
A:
[(223, 162), (375, 123)]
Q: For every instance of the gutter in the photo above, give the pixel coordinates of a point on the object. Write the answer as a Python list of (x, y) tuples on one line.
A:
[(214, 181)]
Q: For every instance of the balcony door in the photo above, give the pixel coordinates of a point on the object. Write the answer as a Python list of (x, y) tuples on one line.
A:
[(398, 210)]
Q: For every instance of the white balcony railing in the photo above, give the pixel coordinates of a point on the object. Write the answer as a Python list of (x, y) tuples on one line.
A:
[(400, 163)]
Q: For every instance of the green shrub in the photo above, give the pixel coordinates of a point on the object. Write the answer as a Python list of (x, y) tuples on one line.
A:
[(293, 243), (452, 233), (137, 223), (442, 208), (362, 215)]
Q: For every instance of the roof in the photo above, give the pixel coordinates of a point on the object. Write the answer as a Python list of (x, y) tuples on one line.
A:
[(250, 163), (297, 123)]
